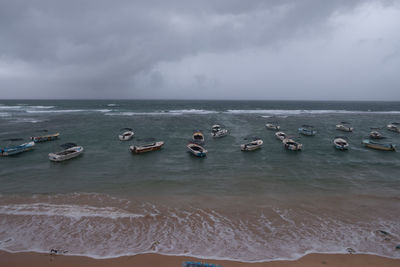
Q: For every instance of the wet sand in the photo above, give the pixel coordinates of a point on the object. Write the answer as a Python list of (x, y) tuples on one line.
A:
[(150, 260)]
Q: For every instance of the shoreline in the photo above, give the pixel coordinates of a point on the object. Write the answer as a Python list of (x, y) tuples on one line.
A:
[(22, 259)]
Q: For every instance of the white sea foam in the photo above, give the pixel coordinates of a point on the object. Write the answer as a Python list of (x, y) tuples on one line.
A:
[(10, 107), (72, 211), (301, 112), (4, 114), (128, 113), (41, 107), (275, 234), (112, 105), (68, 110), (193, 111)]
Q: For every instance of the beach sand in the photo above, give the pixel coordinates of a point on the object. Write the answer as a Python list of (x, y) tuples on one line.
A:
[(150, 260)]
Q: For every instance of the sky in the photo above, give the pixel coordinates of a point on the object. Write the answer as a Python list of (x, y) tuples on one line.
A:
[(209, 49)]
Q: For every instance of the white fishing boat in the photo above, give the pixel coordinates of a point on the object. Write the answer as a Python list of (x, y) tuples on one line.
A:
[(217, 131), (198, 137), (70, 151), (281, 135), (273, 126), (147, 148), (394, 127), (343, 126), (375, 135), (197, 150), (126, 135), (341, 143), (290, 144), (251, 146)]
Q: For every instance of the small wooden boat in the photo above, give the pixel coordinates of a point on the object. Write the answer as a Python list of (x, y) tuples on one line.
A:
[(341, 143), (13, 150), (70, 151), (375, 135), (394, 127), (379, 146), (273, 126), (198, 264), (307, 130), (45, 138), (127, 135), (217, 131), (290, 144), (147, 148), (281, 135), (198, 137), (253, 145), (197, 150), (343, 126)]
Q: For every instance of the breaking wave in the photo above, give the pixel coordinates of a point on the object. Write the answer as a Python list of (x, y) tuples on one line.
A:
[(301, 112)]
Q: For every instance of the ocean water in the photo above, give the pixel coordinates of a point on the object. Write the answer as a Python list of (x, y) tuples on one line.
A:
[(257, 206)]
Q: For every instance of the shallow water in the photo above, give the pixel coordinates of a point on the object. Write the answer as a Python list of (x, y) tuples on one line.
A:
[(255, 206)]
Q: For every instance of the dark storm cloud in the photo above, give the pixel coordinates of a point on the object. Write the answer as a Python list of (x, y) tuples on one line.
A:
[(102, 49)]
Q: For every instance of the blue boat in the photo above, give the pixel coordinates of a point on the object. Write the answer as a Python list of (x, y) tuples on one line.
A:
[(307, 130), (13, 150), (379, 146)]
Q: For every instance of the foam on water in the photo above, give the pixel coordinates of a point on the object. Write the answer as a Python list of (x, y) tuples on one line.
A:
[(124, 228), (305, 112)]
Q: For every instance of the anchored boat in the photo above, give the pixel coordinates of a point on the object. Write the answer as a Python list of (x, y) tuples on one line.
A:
[(273, 126), (13, 150), (197, 150), (45, 138), (341, 143), (290, 144), (379, 146), (375, 134), (217, 131), (127, 135), (343, 126), (307, 130), (394, 127), (281, 135), (147, 148), (198, 137), (70, 151), (253, 145)]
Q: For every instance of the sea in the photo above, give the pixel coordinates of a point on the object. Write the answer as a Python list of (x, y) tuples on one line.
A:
[(265, 205)]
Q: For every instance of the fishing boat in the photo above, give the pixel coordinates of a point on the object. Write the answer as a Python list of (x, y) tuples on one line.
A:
[(280, 135), (290, 144), (45, 138), (307, 130), (217, 131), (394, 127), (198, 264), (343, 126), (70, 151), (273, 126), (379, 146), (147, 148), (126, 135), (375, 135), (197, 150), (13, 150), (251, 146), (341, 143), (198, 137)]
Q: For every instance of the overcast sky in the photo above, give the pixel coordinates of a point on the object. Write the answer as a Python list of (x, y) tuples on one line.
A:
[(217, 49)]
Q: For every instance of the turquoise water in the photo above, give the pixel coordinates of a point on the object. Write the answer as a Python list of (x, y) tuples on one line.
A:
[(260, 203)]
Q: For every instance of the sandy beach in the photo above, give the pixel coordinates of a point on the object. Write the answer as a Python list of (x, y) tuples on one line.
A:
[(150, 260)]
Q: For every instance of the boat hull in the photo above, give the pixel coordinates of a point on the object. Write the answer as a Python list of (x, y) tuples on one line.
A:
[(219, 133), (307, 132), (377, 146), (66, 154), (146, 148), (252, 145), (272, 127), (45, 138), (344, 128), (197, 150), (126, 136), (10, 151)]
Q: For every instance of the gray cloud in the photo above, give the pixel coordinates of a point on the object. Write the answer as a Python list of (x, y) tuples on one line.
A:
[(165, 49)]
